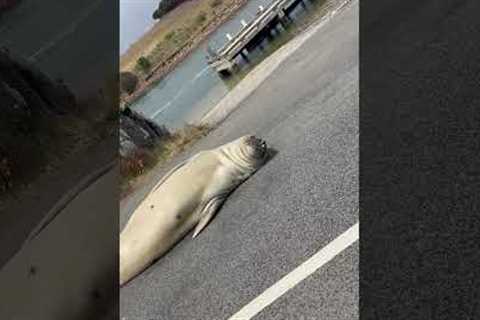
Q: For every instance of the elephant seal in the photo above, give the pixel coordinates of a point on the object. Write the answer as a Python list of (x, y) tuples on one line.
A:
[(186, 197)]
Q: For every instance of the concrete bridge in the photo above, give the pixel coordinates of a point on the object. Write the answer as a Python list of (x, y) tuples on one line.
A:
[(223, 60)]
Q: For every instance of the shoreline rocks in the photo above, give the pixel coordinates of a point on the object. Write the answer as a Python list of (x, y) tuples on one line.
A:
[(136, 131)]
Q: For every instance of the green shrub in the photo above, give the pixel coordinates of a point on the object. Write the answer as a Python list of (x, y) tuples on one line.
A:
[(200, 18), (128, 82), (170, 35), (164, 7), (216, 3), (143, 64)]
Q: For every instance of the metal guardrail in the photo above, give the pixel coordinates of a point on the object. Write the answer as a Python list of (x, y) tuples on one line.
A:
[(250, 30)]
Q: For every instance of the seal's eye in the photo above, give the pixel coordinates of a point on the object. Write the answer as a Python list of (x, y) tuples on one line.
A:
[(256, 148), (252, 141)]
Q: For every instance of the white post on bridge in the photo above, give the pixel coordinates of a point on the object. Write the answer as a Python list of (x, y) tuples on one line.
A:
[(244, 24), (229, 37)]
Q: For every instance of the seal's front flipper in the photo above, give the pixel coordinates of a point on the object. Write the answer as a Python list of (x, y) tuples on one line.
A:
[(207, 213)]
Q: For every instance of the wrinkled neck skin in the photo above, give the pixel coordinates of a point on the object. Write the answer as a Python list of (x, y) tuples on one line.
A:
[(233, 153)]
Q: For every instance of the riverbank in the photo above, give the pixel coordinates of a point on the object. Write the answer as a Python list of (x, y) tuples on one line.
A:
[(208, 17)]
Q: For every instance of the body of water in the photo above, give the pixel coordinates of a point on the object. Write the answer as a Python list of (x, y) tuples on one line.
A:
[(193, 88)]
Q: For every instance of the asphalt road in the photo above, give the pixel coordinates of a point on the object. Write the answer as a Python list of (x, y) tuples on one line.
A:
[(300, 201), (63, 272), (72, 40)]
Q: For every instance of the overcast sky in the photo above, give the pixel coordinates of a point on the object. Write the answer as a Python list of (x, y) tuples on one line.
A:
[(135, 20)]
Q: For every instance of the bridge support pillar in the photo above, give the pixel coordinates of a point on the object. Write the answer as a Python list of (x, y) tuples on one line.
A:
[(284, 21), (244, 55), (286, 15), (224, 73), (268, 33), (225, 67), (274, 30)]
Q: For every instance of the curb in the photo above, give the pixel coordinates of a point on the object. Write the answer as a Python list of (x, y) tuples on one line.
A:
[(66, 199)]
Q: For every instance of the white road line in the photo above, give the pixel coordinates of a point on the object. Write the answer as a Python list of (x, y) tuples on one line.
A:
[(71, 29), (319, 259)]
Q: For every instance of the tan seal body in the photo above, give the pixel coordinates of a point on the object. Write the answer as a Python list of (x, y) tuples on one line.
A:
[(187, 197)]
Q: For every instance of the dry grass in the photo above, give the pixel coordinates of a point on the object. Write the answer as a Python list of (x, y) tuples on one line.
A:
[(173, 31), (184, 137), (142, 160)]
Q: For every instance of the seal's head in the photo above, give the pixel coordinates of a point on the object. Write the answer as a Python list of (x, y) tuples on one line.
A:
[(253, 147), (247, 152)]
